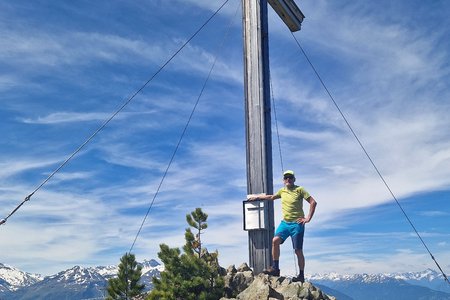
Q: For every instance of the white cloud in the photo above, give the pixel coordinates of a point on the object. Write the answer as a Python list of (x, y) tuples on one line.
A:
[(435, 213), (10, 167), (67, 117)]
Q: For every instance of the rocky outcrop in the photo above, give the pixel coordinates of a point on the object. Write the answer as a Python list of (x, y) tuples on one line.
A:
[(237, 280), (241, 284)]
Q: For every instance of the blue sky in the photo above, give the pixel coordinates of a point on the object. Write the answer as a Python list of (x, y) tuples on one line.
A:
[(67, 65)]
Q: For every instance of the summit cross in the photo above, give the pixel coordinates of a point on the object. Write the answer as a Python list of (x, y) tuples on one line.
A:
[(258, 114)]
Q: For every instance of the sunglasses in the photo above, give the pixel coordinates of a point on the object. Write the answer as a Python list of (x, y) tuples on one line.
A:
[(288, 177)]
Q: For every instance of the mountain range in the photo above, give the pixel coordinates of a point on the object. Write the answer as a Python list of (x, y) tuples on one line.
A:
[(75, 284), (425, 285), (80, 283)]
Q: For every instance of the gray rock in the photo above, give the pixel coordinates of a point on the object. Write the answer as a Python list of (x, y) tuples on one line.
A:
[(243, 268), (238, 280), (260, 289), (290, 290), (231, 270), (243, 285), (304, 293)]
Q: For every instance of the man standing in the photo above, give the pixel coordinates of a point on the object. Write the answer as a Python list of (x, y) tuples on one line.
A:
[(293, 222)]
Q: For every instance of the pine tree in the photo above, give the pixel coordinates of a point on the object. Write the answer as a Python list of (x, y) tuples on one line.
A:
[(126, 285), (196, 219), (192, 275)]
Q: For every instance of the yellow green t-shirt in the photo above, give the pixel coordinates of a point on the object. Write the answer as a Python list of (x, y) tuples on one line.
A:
[(292, 202)]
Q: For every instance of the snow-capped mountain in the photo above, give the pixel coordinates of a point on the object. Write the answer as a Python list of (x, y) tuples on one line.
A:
[(106, 271), (150, 268), (75, 283), (12, 279), (426, 285), (76, 276), (428, 278), (427, 275)]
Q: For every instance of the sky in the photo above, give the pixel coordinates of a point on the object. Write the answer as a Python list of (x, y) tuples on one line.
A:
[(67, 66)]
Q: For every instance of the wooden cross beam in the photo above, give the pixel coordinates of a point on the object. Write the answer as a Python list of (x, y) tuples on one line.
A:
[(289, 12), (258, 114)]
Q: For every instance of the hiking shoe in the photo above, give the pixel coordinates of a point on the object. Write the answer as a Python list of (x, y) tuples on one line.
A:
[(272, 271), (299, 278)]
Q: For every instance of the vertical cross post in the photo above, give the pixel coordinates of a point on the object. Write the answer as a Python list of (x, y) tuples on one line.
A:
[(258, 125)]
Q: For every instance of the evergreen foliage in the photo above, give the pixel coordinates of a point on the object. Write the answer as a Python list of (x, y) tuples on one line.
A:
[(193, 275), (197, 219), (126, 285)]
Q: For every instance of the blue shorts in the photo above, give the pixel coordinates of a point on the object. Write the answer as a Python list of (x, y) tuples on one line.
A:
[(293, 230)]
